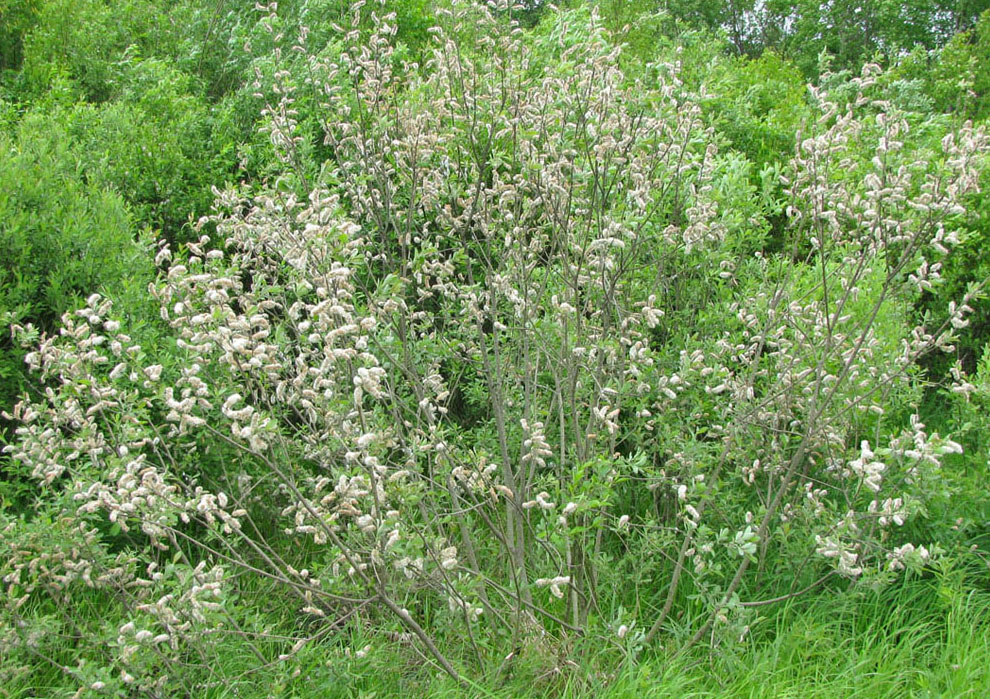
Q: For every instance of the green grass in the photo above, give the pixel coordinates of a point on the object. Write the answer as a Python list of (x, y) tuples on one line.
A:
[(917, 641), (924, 637)]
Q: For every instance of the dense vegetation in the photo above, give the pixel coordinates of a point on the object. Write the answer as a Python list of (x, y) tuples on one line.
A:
[(439, 347)]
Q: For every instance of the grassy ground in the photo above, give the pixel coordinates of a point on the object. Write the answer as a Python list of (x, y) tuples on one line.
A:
[(926, 637)]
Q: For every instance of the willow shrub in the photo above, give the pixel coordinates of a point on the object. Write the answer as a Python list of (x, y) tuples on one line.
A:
[(512, 334)]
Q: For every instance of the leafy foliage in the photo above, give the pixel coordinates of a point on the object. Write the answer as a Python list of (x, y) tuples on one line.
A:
[(61, 236)]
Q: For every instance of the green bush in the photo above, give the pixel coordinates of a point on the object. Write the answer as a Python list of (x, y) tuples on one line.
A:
[(74, 41), (16, 19), (955, 77), (759, 104), (153, 145), (61, 238)]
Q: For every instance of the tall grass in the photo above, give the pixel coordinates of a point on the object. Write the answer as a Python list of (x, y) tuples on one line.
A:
[(927, 637)]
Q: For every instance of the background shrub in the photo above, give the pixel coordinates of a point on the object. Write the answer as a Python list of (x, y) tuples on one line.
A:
[(62, 236)]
